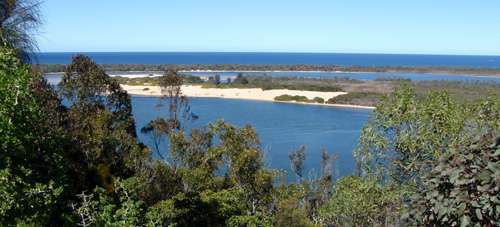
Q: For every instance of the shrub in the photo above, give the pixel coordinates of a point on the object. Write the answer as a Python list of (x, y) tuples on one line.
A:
[(284, 97), (356, 98), (206, 85), (361, 202), (462, 189), (299, 98), (319, 100), (146, 89)]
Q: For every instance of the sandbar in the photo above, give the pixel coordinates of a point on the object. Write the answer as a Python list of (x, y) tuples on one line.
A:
[(238, 93)]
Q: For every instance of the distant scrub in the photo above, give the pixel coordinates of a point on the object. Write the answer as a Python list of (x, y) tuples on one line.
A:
[(284, 97), (298, 98), (447, 70), (319, 100), (356, 98), (207, 85)]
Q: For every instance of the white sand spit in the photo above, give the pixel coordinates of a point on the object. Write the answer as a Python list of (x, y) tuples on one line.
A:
[(236, 93)]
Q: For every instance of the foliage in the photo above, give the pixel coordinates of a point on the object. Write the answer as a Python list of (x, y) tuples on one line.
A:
[(404, 134), (356, 98), (289, 213), (19, 23), (243, 191), (442, 70), (245, 164), (101, 127), (359, 202), (297, 98), (178, 116), (309, 194), (32, 172), (462, 189), (297, 158), (284, 97), (100, 209), (318, 100)]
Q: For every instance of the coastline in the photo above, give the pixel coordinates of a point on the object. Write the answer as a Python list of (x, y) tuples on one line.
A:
[(137, 74), (257, 94)]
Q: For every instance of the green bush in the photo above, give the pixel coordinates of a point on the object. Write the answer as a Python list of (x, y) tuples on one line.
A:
[(361, 202), (319, 100), (299, 98), (146, 89), (206, 85), (356, 98), (462, 189), (284, 97)]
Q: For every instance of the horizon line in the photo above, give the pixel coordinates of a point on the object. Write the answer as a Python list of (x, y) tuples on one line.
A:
[(262, 52)]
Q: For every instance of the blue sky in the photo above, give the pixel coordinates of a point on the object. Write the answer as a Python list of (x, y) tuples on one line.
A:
[(329, 26)]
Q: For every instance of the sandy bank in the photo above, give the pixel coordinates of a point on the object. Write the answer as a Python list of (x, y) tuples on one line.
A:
[(237, 93)]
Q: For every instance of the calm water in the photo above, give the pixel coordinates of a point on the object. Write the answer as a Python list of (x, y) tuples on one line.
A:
[(55, 78), (273, 58), (281, 126)]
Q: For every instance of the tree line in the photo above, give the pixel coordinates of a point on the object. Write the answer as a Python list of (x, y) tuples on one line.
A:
[(445, 70)]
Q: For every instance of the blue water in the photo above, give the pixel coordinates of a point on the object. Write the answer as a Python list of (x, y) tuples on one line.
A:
[(55, 78), (281, 126), (274, 58), (359, 76)]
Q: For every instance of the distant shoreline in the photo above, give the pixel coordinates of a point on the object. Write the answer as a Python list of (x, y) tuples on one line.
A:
[(257, 94), (137, 74), (299, 68)]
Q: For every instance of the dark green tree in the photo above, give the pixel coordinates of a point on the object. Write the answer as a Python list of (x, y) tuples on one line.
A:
[(217, 79), (33, 180), (101, 127)]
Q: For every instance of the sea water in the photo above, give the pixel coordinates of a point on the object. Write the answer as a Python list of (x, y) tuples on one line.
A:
[(184, 58)]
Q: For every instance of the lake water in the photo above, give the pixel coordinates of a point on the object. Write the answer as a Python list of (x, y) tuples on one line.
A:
[(281, 126)]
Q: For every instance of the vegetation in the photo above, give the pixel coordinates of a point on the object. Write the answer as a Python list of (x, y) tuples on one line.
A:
[(443, 70), (356, 98), (463, 188), (298, 98), (20, 21), (424, 148)]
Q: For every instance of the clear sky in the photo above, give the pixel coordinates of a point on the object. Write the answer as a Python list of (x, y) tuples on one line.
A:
[(330, 26)]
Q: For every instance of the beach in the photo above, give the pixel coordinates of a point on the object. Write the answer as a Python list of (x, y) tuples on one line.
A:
[(238, 93)]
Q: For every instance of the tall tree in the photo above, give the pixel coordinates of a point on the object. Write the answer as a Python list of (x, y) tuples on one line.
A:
[(178, 115), (101, 125), (20, 21)]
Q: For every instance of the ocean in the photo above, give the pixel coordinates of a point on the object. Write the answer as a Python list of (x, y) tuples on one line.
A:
[(184, 58)]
